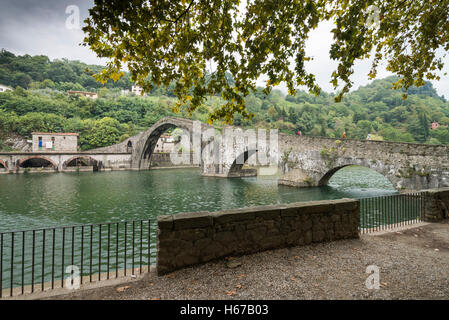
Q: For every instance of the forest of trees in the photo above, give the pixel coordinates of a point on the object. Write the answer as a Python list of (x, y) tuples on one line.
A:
[(39, 102)]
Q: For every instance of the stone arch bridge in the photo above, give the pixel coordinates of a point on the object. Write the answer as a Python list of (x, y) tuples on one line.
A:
[(303, 160)]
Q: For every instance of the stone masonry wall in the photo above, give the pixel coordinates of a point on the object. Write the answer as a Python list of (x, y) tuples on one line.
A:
[(436, 204), (187, 239)]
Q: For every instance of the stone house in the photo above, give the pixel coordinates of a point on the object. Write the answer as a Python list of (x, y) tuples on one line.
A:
[(54, 142), (4, 88)]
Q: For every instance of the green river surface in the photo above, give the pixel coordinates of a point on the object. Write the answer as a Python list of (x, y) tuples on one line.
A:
[(35, 200), (48, 200)]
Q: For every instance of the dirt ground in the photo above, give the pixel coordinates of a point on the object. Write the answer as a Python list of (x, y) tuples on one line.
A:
[(413, 264)]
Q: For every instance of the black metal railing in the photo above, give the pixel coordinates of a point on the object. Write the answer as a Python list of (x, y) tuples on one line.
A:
[(41, 259), (388, 212)]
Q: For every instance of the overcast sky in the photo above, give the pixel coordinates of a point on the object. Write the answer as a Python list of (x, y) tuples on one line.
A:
[(39, 27)]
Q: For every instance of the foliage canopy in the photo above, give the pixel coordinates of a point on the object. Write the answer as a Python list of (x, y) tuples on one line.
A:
[(197, 44)]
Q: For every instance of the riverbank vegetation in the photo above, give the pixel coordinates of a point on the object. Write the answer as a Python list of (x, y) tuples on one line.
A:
[(39, 102)]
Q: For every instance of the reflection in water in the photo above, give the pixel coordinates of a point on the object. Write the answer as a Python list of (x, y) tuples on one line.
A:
[(46, 200)]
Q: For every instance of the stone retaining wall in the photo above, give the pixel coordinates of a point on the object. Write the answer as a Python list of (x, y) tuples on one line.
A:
[(190, 238), (436, 204)]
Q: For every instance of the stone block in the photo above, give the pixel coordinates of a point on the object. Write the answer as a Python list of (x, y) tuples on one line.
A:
[(306, 224), (308, 237), (225, 216), (268, 212), (225, 236), (165, 222), (317, 207), (290, 210), (202, 243), (191, 234), (318, 236), (191, 220), (256, 235)]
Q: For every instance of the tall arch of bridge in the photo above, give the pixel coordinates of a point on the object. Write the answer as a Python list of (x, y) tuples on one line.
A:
[(145, 145)]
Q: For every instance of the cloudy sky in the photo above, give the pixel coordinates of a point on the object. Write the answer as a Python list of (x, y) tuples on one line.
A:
[(39, 27)]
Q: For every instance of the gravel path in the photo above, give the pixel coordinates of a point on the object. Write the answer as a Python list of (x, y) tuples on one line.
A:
[(414, 264)]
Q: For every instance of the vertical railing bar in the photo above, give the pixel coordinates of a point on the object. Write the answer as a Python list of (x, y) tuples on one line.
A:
[(133, 239), (404, 210), (82, 254), (23, 262), (99, 252), (126, 224), (53, 259), (32, 260), (43, 261), (395, 213), (141, 244), (149, 245), (62, 257), (109, 247), (1, 265), (362, 217), (73, 246), (90, 253), (409, 208), (379, 224), (12, 264), (387, 215), (417, 208), (384, 212), (382, 209), (116, 250), (73, 253)]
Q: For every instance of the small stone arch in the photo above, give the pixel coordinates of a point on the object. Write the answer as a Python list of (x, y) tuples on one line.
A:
[(3, 163), (88, 158), (328, 175), (129, 146), (22, 161)]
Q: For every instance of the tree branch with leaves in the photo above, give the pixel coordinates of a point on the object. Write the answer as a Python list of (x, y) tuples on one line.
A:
[(196, 44)]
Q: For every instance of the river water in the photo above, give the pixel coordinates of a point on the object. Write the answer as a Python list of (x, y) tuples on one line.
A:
[(35, 200)]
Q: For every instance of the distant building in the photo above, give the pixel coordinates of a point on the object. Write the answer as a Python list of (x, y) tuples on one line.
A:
[(57, 142), (4, 88), (435, 125), (165, 144), (137, 90), (92, 95)]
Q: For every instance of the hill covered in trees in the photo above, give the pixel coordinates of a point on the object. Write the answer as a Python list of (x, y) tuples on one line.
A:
[(40, 103)]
